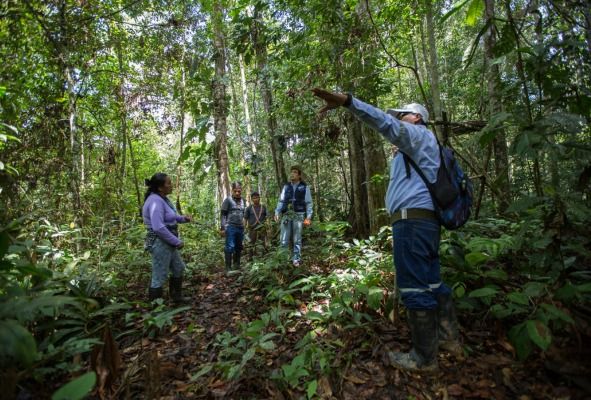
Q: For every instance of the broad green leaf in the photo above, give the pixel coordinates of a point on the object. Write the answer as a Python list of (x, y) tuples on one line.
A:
[(497, 274), (314, 316), (374, 297), (539, 333), (311, 390), (566, 293), (474, 13), (584, 288), (76, 389), (483, 292), (255, 328), (203, 371), (246, 357), (269, 345), (476, 258), (500, 311), (18, 345), (534, 289), (518, 297), (521, 340), (557, 313), (457, 6)]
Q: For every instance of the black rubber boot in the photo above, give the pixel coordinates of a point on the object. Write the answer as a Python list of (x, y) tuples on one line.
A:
[(423, 331), (175, 288), (228, 259), (236, 260), (449, 336), (155, 293)]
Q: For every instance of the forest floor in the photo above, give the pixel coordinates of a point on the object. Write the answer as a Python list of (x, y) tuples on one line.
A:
[(162, 366)]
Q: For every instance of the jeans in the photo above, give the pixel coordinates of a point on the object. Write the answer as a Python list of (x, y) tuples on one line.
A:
[(291, 228), (416, 257), (234, 238), (165, 257)]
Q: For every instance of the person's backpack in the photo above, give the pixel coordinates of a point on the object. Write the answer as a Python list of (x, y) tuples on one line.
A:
[(452, 191)]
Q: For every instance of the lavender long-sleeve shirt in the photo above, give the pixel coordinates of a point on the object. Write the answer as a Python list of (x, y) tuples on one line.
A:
[(157, 214)]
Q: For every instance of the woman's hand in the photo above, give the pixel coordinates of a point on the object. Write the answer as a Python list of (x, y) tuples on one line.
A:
[(307, 222), (188, 218)]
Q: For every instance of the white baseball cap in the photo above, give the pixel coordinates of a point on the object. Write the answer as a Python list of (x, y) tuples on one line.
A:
[(414, 108)]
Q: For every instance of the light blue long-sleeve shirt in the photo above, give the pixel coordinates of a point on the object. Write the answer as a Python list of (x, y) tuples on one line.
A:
[(417, 142), (307, 200), (157, 214)]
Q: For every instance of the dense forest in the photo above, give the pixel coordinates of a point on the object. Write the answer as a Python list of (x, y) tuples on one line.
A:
[(98, 95)]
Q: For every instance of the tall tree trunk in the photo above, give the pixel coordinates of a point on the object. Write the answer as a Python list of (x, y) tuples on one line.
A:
[(375, 164), (501, 159), (374, 159), (433, 67), (183, 127), (359, 218), (277, 145), (249, 130), (317, 194), (75, 177), (135, 179), (122, 123), (220, 107)]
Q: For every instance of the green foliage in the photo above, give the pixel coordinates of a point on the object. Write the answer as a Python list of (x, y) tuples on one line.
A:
[(534, 300), (237, 353), (47, 316), (155, 320), (77, 389)]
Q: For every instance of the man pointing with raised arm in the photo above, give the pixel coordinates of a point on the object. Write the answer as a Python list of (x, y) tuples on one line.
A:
[(415, 229)]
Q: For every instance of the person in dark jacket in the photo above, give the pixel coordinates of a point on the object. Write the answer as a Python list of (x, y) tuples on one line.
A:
[(162, 240), (255, 218), (295, 209), (415, 228), (232, 226)]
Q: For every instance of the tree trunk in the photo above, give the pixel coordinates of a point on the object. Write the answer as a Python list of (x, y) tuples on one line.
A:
[(359, 217), (277, 145), (249, 130), (501, 159), (220, 107), (75, 177), (375, 164), (433, 67), (122, 124)]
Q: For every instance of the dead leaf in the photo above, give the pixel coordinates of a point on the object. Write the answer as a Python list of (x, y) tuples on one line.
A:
[(324, 388), (455, 390), (105, 360), (355, 379)]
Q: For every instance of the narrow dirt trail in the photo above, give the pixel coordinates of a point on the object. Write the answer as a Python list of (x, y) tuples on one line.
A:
[(162, 366)]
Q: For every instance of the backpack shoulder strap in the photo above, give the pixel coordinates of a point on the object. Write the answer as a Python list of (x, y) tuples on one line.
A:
[(408, 160)]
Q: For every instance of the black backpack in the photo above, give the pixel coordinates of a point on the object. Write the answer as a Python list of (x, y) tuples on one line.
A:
[(452, 191)]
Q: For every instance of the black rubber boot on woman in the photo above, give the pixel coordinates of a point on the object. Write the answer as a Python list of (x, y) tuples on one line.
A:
[(175, 289), (154, 293)]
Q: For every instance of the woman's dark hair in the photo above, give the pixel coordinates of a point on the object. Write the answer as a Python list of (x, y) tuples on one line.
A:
[(154, 183), (236, 185)]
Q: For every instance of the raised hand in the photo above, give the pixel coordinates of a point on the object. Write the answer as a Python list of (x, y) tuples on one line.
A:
[(332, 99)]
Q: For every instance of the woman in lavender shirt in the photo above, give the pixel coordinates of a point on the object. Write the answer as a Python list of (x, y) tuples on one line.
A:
[(162, 239)]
